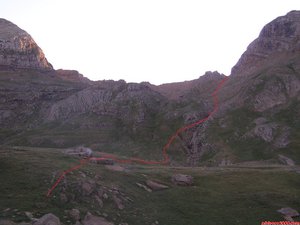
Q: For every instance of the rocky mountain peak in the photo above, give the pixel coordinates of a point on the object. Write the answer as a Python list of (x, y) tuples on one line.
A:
[(72, 75), (211, 75), (280, 36), (19, 50)]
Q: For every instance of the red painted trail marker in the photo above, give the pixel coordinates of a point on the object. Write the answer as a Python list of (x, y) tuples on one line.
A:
[(166, 158)]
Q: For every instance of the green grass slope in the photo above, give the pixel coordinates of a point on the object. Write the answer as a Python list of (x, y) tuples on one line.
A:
[(231, 195)]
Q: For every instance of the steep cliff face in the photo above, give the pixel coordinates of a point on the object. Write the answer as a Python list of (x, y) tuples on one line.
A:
[(19, 50), (277, 40)]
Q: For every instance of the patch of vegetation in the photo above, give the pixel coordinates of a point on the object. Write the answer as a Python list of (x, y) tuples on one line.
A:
[(233, 196)]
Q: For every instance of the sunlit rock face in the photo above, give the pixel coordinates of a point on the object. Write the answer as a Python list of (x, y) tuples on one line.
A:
[(19, 50)]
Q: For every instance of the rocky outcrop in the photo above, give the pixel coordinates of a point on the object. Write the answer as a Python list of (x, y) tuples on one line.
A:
[(19, 50), (87, 189), (79, 103), (279, 85), (277, 38), (282, 139), (270, 132), (266, 131), (194, 142), (108, 98)]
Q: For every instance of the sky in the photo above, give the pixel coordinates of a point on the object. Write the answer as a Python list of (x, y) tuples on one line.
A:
[(159, 41)]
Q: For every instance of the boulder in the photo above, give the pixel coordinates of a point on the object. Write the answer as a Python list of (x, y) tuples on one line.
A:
[(225, 162), (79, 151), (288, 213), (155, 186), (266, 131), (182, 179), (95, 220), (87, 188), (48, 219), (285, 160), (6, 222), (74, 214), (144, 187), (98, 200), (283, 138), (118, 202), (115, 168), (29, 215), (102, 161), (63, 198)]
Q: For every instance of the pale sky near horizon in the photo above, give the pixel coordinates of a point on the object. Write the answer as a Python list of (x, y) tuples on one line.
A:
[(159, 41)]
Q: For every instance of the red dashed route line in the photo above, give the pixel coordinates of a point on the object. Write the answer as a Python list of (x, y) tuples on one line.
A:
[(166, 158)]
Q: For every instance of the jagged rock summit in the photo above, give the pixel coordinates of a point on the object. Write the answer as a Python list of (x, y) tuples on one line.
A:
[(278, 39), (19, 50)]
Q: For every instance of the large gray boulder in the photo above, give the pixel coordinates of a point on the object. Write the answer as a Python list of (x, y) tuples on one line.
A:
[(95, 220), (48, 219)]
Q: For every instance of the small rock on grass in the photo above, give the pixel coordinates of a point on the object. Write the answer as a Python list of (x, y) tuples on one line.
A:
[(285, 160), (182, 179), (144, 187), (74, 214), (156, 186), (118, 202), (115, 168), (29, 215), (98, 200), (288, 213)]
